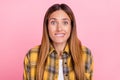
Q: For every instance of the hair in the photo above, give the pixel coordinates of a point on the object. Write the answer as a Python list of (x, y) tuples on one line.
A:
[(73, 42)]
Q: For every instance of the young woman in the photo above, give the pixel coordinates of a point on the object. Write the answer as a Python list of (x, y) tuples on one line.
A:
[(61, 55)]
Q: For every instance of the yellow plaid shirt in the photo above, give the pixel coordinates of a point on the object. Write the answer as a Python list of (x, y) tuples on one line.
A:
[(52, 64)]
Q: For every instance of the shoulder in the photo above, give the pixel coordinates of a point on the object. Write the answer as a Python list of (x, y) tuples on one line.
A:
[(87, 55), (88, 62), (32, 54), (86, 50), (35, 49), (30, 60)]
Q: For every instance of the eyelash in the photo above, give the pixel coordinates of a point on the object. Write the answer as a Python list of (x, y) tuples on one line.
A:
[(64, 22), (52, 22)]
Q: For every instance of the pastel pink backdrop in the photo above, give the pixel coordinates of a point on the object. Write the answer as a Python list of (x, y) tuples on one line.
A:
[(98, 26)]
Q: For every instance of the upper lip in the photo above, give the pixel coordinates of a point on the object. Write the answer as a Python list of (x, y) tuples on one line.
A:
[(59, 33)]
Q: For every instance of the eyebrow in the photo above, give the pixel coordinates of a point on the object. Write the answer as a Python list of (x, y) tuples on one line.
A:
[(56, 19), (66, 19)]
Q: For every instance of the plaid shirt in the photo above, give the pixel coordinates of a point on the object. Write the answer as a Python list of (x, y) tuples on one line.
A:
[(52, 64)]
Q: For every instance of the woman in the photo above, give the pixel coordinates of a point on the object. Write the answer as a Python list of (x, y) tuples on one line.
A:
[(61, 55)]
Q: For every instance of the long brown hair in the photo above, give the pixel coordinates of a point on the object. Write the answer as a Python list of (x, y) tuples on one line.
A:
[(73, 41)]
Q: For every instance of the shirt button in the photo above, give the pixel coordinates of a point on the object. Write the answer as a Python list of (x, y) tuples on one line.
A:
[(66, 76), (65, 62)]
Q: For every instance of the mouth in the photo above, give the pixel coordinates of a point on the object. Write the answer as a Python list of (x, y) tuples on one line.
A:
[(60, 34)]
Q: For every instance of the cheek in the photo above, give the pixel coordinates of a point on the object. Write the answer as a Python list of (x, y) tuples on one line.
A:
[(68, 29), (50, 30)]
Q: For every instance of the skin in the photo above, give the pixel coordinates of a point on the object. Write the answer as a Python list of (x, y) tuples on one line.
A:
[(59, 28)]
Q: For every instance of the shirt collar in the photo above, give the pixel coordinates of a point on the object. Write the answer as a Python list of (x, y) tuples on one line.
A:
[(66, 49)]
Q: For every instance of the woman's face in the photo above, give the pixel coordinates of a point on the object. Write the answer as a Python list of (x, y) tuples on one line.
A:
[(59, 27)]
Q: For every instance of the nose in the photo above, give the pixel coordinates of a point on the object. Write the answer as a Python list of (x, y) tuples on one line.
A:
[(59, 27)]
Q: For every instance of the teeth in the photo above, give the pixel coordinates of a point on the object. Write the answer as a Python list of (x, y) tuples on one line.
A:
[(59, 35)]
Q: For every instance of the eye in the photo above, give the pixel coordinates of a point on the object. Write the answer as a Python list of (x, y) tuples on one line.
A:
[(53, 22), (65, 22)]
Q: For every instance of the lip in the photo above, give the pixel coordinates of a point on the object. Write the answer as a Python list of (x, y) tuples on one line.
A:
[(60, 34)]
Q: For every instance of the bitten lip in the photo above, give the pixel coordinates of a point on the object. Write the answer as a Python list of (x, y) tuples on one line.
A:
[(59, 34)]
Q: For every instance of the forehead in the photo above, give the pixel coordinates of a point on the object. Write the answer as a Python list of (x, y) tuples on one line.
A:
[(59, 15)]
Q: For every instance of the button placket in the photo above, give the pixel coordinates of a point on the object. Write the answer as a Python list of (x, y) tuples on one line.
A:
[(66, 76), (65, 56)]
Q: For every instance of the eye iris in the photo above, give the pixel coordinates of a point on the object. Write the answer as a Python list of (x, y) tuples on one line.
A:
[(65, 22), (52, 22)]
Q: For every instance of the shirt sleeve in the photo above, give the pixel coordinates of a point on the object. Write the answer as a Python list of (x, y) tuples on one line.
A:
[(26, 68), (89, 65)]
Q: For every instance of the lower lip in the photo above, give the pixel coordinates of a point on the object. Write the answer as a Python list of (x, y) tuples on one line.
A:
[(60, 35)]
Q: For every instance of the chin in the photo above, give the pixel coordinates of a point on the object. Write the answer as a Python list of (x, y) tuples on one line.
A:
[(59, 42)]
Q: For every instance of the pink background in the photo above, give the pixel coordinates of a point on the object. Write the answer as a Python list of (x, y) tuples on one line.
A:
[(98, 25)]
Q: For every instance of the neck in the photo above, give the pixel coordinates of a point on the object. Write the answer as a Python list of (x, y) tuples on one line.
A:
[(59, 47)]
